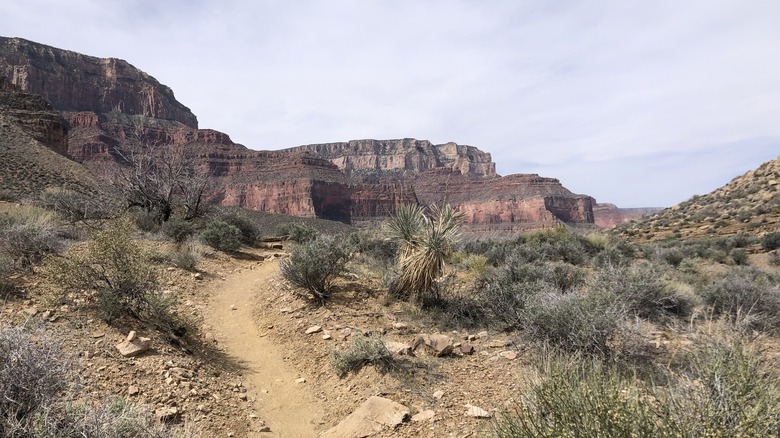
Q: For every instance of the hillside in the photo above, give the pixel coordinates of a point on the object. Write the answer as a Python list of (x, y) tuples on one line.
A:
[(748, 204)]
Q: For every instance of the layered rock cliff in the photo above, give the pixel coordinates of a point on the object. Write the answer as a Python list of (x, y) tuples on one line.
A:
[(609, 215), (109, 105)]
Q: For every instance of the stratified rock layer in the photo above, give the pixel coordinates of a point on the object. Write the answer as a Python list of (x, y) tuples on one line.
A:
[(108, 105)]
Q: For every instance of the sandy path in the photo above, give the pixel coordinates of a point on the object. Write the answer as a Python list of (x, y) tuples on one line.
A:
[(283, 404)]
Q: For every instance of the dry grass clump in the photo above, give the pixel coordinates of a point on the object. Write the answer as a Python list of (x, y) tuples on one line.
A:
[(27, 235), (363, 350)]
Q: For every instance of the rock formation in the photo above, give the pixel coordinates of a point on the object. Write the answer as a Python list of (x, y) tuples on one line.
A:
[(609, 215), (108, 105)]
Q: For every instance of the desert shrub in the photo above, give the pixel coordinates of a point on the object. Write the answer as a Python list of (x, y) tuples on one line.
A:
[(114, 265), (641, 288), (178, 230), (249, 231), (573, 322), (186, 256), (299, 232), (222, 236), (774, 258), (739, 256), (745, 294), (148, 221), (673, 256), (379, 248), (74, 206), (563, 276), (770, 241), (27, 234), (727, 391), (576, 399), (740, 241), (363, 350), (610, 257), (113, 417), (31, 375), (504, 301), (315, 264)]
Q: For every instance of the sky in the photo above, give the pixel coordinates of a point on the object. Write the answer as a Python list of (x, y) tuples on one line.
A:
[(637, 103)]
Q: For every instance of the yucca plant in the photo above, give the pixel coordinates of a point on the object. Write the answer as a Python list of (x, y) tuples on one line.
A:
[(426, 243)]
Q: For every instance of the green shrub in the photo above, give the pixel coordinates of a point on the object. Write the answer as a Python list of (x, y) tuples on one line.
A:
[(248, 229), (363, 350), (31, 376), (747, 295), (178, 230), (739, 256), (222, 236), (27, 235), (115, 266), (299, 232), (315, 264), (770, 241), (673, 256)]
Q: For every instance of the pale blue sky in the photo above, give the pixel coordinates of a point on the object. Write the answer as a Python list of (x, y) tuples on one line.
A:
[(633, 102)]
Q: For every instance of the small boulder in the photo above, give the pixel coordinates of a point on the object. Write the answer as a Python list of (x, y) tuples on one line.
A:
[(313, 329), (133, 345), (424, 415), (437, 344), (399, 348), (477, 412), (373, 416), (169, 414)]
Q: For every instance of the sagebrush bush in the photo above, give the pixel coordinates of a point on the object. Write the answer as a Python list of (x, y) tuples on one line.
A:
[(363, 350), (574, 322), (27, 235), (745, 292), (727, 392), (186, 255), (178, 230), (642, 289), (770, 241), (32, 373), (222, 236), (299, 232), (315, 264), (113, 417), (249, 231)]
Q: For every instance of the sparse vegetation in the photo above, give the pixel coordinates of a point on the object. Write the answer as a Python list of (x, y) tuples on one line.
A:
[(27, 234), (299, 232), (314, 265), (363, 350)]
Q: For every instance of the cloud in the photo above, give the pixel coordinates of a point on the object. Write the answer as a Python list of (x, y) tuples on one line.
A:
[(557, 87)]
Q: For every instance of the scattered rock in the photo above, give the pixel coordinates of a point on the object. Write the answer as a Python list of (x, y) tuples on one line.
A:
[(438, 394), (466, 349), (133, 346), (301, 380), (313, 329), (508, 354), (32, 311), (374, 415), (400, 326), (168, 414), (327, 336), (477, 412), (424, 415), (233, 307), (133, 390), (197, 276), (437, 344), (499, 343), (399, 348), (97, 335)]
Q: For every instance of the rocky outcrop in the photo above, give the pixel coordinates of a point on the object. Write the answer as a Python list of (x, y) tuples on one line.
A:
[(36, 117), (408, 156), (609, 215), (75, 82)]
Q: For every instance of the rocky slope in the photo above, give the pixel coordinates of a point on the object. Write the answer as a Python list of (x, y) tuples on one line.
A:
[(748, 204), (108, 105)]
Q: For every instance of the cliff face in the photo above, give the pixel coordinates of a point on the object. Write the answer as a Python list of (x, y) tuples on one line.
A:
[(389, 158), (76, 82), (110, 105), (37, 118), (609, 215)]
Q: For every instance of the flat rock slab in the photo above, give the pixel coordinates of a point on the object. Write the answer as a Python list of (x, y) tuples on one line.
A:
[(373, 416)]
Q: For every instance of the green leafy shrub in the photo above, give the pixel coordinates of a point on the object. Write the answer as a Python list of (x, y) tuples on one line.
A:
[(249, 231), (178, 230), (115, 266), (299, 232), (363, 350), (770, 241), (315, 264), (222, 236), (745, 294), (27, 235)]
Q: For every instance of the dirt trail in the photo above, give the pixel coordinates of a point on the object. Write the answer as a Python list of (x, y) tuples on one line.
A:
[(283, 404)]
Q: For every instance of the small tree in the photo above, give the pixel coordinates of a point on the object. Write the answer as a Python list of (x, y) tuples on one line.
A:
[(425, 243)]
